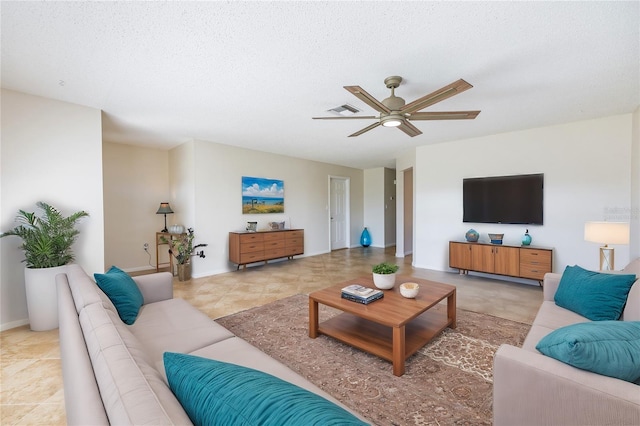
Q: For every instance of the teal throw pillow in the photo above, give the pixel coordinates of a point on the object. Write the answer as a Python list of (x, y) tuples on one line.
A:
[(218, 393), (123, 292), (594, 295), (610, 348)]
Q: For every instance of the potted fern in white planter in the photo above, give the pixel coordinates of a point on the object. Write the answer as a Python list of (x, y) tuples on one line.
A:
[(384, 275), (47, 241)]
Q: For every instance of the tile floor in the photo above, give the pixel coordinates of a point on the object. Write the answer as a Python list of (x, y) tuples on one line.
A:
[(31, 381)]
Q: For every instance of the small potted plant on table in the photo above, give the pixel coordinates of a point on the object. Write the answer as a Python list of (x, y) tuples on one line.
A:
[(384, 275), (182, 249)]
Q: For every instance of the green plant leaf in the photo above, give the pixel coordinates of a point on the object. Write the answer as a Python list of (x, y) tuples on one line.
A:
[(47, 238)]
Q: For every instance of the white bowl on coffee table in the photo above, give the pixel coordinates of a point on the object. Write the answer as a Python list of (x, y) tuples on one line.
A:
[(409, 290)]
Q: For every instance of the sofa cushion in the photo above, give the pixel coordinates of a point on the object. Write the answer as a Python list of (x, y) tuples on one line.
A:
[(596, 296), (238, 351), (132, 391), (175, 325), (214, 392), (610, 348), (122, 291), (84, 289)]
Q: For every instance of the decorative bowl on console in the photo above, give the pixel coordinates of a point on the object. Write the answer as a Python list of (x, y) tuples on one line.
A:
[(496, 238)]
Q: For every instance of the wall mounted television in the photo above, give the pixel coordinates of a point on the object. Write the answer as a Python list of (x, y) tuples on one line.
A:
[(504, 199)]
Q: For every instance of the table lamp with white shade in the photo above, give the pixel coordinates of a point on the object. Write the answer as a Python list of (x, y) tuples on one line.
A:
[(607, 233)]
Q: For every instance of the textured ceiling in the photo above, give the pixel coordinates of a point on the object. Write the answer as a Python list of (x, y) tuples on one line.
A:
[(252, 74)]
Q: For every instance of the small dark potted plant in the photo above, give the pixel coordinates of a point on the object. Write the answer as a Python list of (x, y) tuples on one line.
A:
[(384, 275), (182, 249), (47, 240)]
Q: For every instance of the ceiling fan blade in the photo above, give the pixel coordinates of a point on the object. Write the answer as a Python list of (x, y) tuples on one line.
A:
[(409, 128), (444, 115), (437, 96), (345, 118), (365, 97), (366, 129)]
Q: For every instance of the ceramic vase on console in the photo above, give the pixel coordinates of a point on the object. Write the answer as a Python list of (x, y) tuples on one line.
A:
[(176, 229), (365, 238), (526, 238), (472, 235)]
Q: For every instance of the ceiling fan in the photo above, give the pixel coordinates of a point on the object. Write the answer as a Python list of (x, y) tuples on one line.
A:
[(395, 113)]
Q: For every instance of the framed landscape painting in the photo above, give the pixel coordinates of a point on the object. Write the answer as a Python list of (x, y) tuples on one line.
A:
[(260, 195)]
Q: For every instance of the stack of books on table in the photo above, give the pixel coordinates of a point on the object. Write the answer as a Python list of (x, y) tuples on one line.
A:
[(361, 294)]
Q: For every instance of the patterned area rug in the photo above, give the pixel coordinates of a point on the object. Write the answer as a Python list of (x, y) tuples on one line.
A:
[(448, 382)]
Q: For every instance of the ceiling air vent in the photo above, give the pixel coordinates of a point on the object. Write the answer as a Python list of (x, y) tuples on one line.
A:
[(344, 110)]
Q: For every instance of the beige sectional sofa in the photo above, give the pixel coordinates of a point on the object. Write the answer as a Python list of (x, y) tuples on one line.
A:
[(114, 374), (530, 388)]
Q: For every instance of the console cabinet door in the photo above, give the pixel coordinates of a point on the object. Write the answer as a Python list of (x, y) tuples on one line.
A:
[(506, 260), (482, 258), (459, 256)]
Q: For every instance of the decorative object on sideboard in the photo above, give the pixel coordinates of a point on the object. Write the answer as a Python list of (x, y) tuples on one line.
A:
[(384, 275), (472, 236), (164, 209), (607, 233), (526, 238), (252, 226), (409, 290), (182, 249), (276, 226), (176, 229), (365, 238), (496, 238), (47, 240)]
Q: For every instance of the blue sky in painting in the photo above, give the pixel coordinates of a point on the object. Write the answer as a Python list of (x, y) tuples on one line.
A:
[(260, 187)]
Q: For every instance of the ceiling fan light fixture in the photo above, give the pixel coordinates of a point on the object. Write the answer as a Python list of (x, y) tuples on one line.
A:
[(392, 120)]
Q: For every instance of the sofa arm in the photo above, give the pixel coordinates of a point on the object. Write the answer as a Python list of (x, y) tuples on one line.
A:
[(550, 285), (155, 287), (532, 389)]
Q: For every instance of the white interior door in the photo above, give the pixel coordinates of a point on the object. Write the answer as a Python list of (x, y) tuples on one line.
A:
[(339, 212)]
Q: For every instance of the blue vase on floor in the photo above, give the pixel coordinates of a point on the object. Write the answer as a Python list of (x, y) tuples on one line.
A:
[(365, 238)]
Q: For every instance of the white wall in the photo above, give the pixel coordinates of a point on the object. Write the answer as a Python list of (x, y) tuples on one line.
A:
[(182, 178), (404, 162), (51, 151), (136, 181), (634, 212), (206, 183), (587, 176), (389, 207), (374, 205)]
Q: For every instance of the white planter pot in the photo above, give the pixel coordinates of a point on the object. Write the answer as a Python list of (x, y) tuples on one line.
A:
[(42, 297), (384, 281)]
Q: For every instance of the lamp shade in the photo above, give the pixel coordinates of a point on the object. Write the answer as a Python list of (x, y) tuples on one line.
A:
[(607, 232), (164, 208)]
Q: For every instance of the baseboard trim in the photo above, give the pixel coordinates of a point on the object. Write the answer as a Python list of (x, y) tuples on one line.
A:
[(14, 324)]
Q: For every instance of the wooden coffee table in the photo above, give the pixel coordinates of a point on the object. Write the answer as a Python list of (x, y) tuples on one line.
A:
[(392, 328)]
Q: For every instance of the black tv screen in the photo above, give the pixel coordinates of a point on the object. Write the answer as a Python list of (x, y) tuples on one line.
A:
[(503, 199)]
